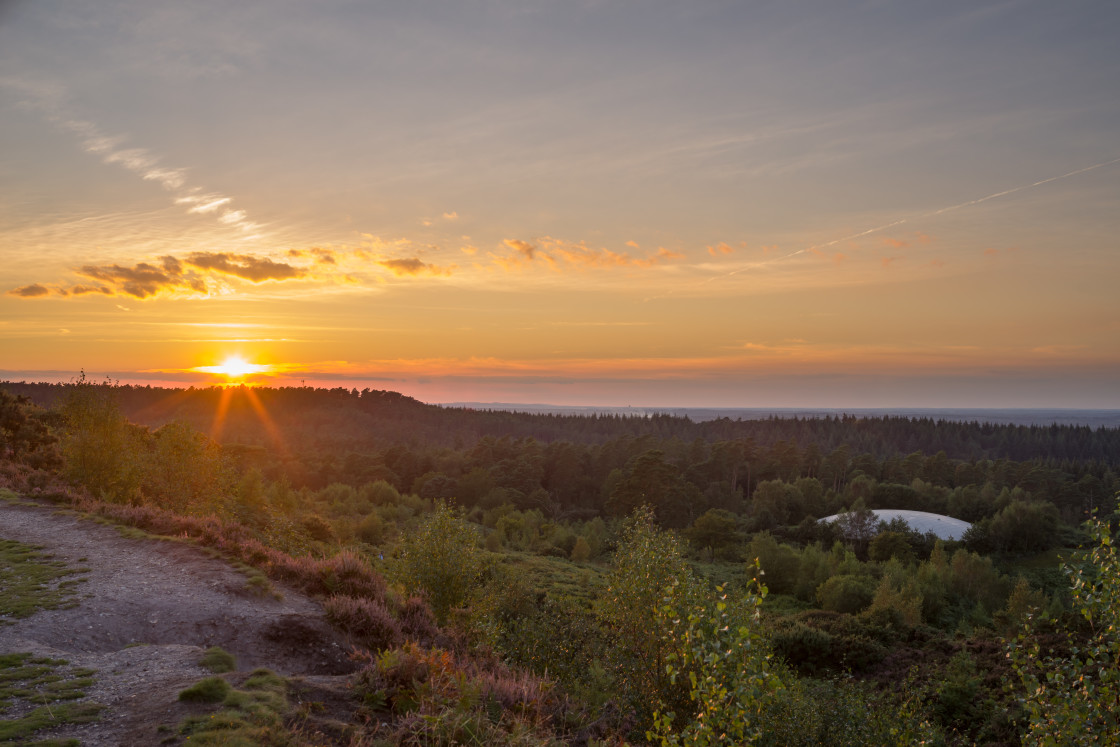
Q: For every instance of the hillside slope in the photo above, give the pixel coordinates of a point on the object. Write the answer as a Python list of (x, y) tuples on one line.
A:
[(146, 611)]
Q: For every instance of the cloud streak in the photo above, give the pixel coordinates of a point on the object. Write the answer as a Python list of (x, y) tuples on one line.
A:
[(245, 266), (49, 99), (35, 290), (413, 266), (817, 249)]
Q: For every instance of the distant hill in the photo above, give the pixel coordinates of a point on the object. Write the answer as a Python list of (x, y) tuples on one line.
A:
[(347, 420)]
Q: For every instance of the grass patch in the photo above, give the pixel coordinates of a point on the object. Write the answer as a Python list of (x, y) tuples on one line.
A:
[(50, 688), (209, 690), (30, 581), (252, 714), (218, 660), (131, 532)]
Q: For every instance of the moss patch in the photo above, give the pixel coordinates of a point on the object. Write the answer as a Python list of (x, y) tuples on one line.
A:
[(252, 714), (218, 660), (30, 580), (43, 693)]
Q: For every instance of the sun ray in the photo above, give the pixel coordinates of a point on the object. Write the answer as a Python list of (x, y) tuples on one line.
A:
[(220, 414), (266, 420)]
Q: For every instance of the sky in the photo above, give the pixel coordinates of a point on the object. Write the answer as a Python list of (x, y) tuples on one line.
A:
[(701, 204)]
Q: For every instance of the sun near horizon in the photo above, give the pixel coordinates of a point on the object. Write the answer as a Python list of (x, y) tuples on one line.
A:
[(236, 369)]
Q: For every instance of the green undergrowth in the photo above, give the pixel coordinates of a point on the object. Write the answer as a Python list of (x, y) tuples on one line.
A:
[(251, 714), (39, 693), (9, 496), (580, 582), (30, 580)]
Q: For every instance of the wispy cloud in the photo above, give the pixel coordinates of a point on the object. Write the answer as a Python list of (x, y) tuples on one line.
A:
[(524, 248), (321, 256), (720, 249), (50, 100), (203, 203), (558, 253)]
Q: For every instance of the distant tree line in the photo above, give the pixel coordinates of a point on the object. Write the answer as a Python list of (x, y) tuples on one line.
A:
[(347, 418)]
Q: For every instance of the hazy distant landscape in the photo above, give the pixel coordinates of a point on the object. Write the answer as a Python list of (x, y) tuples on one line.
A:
[(1020, 416)]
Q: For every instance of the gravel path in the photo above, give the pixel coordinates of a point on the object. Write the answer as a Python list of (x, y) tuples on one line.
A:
[(146, 610)]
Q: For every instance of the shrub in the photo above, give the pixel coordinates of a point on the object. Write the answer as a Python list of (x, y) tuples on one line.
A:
[(545, 634), (365, 619), (1074, 699), (648, 565), (898, 599), (726, 659), (371, 528), (348, 573), (441, 559), (846, 593), (380, 493), (440, 698), (805, 648), (957, 703), (778, 563), (417, 621), (318, 528)]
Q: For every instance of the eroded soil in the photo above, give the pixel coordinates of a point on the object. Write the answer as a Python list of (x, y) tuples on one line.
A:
[(146, 611)]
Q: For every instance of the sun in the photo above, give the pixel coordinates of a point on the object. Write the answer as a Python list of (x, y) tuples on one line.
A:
[(235, 367)]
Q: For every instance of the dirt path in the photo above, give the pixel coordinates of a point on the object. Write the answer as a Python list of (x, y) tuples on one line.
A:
[(147, 609)]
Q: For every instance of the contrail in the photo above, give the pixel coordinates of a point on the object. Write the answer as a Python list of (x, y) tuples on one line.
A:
[(907, 219)]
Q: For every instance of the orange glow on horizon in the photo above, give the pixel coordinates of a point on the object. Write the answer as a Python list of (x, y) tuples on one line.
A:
[(235, 367)]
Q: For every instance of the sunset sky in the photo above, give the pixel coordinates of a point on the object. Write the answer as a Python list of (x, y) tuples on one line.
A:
[(814, 204)]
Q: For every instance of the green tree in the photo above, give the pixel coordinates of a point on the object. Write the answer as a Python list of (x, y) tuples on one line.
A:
[(652, 481), (774, 503), (1074, 698), (25, 434), (858, 526), (581, 551), (442, 560), (887, 545), (846, 593), (100, 449), (183, 469), (778, 563), (1024, 526), (714, 530)]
